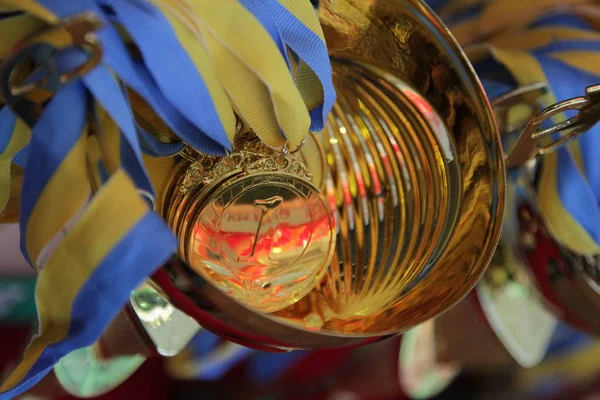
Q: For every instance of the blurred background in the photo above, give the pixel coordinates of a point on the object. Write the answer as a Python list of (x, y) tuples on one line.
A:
[(571, 370), (417, 365)]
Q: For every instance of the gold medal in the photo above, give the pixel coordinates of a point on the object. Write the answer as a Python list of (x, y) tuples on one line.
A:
[(253, 224)]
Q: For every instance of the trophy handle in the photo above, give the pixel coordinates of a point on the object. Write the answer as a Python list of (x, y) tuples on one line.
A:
[(529, 145)]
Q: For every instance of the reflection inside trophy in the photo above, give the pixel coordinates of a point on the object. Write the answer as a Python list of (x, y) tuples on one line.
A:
[(394, 171), (267, 244)]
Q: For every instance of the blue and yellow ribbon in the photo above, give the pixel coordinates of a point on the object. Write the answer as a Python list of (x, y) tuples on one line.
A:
[(547, 42), (195, 64), (88, 278), (17, 138)]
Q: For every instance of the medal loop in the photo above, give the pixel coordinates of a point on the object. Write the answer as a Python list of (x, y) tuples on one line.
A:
[(528, 145), (286, 149)]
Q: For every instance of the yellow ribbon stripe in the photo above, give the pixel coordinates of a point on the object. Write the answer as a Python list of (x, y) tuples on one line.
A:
[(108, 137), (187, 35), (232, 34), (19, 139), (69, 187), (14, 29), (531, 39), (75, 260), (496, 17), (307, 81), (456, 6), (248, 93), (583, 60), (10, 213), (30, 6)]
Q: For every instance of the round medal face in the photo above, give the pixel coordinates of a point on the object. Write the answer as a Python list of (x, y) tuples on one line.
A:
[(265, 238), (81, 374)]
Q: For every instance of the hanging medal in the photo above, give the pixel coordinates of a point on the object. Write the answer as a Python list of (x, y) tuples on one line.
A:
[(253, 223)]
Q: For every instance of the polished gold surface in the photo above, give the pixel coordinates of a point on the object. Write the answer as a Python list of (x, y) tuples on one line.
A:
[(404, 39), (391, 157), (418, 210), (312, 155), (267, 239), (252, 223), (250, 156)]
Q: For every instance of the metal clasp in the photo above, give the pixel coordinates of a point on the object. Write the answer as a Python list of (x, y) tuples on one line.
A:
[(25, 95), (529, 145)]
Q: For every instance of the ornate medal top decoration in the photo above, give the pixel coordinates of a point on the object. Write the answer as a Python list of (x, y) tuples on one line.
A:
[(250, 155)]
